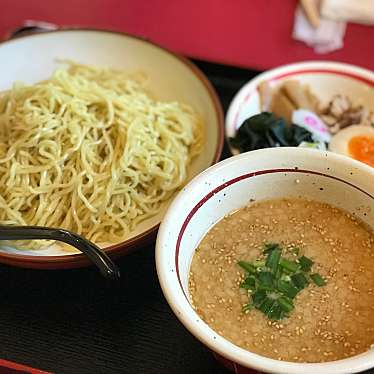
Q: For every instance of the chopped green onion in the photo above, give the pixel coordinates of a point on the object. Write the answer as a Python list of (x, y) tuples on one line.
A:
[(276, 313), (266, 280), (274, 281), (272, 260), (247, 266), (278, 274), (285, 277), (258, 297), (305, 263), (287, 289), (317, 279), (259, 264), (291, 266), (269, 247), (299, 280), (249, 283), (266, 305), (286, 304)]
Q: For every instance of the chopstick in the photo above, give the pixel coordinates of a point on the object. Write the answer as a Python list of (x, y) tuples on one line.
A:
[(92, 251)]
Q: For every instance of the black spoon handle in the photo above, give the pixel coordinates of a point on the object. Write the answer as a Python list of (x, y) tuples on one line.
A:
[(92, 251)]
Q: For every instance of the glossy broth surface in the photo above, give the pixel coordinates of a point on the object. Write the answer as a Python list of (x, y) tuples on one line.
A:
[(328, 323)]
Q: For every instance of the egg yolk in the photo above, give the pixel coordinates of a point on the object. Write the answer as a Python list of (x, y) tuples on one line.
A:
[(361, 148)]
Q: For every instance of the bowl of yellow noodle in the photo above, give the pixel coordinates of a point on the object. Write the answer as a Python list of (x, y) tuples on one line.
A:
[(98, 131)]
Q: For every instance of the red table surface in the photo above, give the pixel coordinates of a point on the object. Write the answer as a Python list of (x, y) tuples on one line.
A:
[(8, 367), (250, 33)]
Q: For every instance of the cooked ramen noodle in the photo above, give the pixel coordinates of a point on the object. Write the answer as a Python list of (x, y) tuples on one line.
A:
[(90, 150)]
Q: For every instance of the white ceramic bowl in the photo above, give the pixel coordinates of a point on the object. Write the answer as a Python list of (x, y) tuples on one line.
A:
[(171, 77), (229, 185), (326, 79)]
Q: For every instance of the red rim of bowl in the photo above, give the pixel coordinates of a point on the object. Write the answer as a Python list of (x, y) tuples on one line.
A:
[(148, 236)]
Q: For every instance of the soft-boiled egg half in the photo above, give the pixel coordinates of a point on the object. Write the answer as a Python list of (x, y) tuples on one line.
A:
[(355, 141)]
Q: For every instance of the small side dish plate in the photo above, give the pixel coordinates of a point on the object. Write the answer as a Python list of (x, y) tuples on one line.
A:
[(326, 79)]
